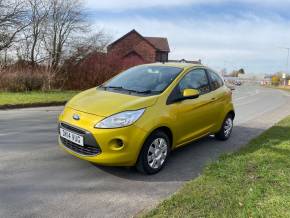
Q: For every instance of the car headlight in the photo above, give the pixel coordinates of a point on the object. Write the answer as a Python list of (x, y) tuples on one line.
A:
[(119, 120)]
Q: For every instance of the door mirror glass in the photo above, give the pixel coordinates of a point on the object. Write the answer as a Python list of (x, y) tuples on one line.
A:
[(190, 93)]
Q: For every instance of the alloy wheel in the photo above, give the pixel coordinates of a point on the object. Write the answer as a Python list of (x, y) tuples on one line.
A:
[(157, 153), (228, 126)]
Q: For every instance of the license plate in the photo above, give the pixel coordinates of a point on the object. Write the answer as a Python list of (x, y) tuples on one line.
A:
[(75, 138)]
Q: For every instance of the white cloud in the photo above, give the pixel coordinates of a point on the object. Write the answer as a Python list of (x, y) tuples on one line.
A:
[(250, 43), (121, 5), (247, 40), (132, 4)]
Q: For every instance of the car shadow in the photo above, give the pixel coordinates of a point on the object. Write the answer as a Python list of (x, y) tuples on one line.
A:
[(188, 162)]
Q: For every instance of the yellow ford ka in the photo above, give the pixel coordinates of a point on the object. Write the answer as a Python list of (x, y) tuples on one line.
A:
[(141, 115)]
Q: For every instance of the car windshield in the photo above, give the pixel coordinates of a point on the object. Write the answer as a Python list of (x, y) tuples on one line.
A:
[(144, 79)]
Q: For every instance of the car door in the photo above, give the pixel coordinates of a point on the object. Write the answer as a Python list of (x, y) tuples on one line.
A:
[(218, 96), (193, 119)]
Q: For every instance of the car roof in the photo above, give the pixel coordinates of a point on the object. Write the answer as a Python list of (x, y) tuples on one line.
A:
[(177, 64)]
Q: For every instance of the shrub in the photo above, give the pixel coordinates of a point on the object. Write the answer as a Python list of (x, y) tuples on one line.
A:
[(75, 74), (19, 80), (93, 70)]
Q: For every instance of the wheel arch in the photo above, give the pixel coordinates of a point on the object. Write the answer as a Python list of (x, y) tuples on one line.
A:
[(164, 129), (167, 131), (232, 113)]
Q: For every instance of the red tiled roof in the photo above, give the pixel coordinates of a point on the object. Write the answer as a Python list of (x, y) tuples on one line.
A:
[(159, 43)]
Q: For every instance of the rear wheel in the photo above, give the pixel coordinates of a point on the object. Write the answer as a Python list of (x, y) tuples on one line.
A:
[(154, 153), (226, 129)]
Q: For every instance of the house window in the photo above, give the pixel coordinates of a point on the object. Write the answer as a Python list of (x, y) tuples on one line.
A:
[(161, 56), (164, 57)]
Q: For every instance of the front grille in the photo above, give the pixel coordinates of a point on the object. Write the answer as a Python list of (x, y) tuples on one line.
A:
[(90, 148), (84, 150)]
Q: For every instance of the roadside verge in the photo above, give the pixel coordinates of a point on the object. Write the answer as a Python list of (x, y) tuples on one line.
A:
[(253, 182), (31, 105), (15, 100)]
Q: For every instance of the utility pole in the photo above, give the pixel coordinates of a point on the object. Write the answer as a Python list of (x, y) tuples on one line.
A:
[(287, 62), (227, 65), (288, 53), (287, 69)]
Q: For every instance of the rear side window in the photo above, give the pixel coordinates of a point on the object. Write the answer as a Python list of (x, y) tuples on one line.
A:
[(195, 79), (215, 80)]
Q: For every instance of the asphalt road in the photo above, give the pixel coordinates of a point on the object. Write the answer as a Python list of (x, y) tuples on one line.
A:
[(38, 179)]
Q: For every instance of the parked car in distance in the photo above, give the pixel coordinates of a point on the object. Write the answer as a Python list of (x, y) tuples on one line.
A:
[(238, 83), (230, 86), (138, 117)]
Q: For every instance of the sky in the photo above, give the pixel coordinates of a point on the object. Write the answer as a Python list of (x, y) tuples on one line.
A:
[(249, 34)]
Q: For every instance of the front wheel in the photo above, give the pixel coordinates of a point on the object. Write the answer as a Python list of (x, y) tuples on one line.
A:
[(226, 129), (154, 153)]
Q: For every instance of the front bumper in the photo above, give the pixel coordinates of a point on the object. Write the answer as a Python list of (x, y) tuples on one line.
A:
[(90, 148), (112, 147)]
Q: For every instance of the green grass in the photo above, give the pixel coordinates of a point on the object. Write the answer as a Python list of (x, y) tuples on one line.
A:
[(253, 182), (285, 88), (15, 98)]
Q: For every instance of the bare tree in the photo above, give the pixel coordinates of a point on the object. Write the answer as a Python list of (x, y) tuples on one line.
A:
[(12, 21), (236, 73), (66, 18), (37, 18), (85, 46), (99, 41)]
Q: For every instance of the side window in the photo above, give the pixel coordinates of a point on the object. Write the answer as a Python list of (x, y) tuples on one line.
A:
[(215, 80), (195, 79)]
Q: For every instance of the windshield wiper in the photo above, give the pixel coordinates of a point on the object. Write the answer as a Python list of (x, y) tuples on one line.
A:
[(118, 88), (112, 87), (147, 91), (130, 90)]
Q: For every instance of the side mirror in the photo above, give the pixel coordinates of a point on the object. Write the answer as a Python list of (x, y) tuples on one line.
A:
[(190, 93)]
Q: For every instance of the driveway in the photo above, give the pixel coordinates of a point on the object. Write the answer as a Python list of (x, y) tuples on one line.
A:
[(38, 179)]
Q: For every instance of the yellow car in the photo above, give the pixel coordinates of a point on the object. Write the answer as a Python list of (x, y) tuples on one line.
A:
[(141, 115)]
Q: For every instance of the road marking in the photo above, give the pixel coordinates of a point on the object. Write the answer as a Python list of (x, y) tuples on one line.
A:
[(261, 113), (251, 95), (245, 103), (8, 133), (285, 93)]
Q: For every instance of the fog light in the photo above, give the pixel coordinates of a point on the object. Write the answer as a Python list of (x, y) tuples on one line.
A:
[(116, 144)]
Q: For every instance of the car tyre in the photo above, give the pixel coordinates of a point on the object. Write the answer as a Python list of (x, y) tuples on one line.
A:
[(226, 129), (154, 153)]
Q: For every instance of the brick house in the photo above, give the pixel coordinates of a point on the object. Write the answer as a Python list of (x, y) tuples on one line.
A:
[(134, 49)]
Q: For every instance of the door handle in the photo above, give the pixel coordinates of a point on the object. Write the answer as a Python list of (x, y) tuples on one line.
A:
[(213, 99)]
